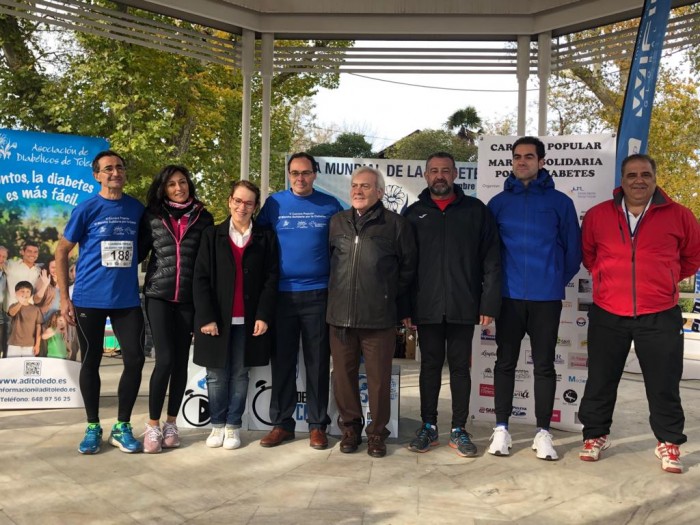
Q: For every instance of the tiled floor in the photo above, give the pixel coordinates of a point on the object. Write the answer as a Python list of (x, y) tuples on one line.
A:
[(44, 480)]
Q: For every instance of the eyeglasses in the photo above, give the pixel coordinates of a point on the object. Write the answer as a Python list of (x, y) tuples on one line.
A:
[(237, 202), (364, 186), (296, 174), (109, 170)]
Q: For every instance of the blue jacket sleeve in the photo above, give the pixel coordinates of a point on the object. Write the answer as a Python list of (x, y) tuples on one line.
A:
[(263, 218)]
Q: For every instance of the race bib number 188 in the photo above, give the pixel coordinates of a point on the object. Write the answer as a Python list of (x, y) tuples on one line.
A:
[(117, 254)]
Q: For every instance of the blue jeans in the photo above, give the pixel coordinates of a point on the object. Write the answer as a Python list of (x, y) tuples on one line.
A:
[(228, 386)]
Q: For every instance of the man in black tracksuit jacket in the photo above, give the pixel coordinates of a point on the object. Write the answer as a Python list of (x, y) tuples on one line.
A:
[(457, 285)]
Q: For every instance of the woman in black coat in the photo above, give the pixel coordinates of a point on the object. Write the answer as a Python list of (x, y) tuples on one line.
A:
[(171, 229), (235, 290)]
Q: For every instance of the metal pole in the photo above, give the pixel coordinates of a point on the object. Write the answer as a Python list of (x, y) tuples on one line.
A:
[(247, 56), (523, 74), (544, 69), (268, 41)]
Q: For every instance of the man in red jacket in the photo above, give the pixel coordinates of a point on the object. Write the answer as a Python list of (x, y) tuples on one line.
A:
[(637, 246)]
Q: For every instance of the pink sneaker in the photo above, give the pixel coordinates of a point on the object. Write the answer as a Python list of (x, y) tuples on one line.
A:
[(152, 439), (171, 435)]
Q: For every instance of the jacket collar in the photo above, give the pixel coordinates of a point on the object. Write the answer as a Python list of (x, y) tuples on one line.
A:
[(426, 197), (659, 198), (222, 228), (542, 182)]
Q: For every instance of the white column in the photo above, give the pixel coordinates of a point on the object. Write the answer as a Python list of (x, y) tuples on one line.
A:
[(268, 41), (544, 69), (523, 74), (247, 58)]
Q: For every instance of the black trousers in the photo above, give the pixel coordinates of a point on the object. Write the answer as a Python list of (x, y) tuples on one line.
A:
[(128, 327), (540, 320), (171, 328), (436, 341), (301, 314), (658, 343)]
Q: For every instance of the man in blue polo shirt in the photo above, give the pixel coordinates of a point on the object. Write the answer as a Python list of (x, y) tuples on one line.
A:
[(300, 217)]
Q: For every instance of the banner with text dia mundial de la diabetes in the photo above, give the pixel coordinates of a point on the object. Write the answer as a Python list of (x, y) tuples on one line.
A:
[(403, 179), (583, 168), (43, 176)]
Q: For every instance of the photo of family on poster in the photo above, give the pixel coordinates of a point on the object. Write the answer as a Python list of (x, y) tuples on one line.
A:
[(31, 323)]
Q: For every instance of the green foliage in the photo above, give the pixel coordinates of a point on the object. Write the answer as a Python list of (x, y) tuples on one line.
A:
[(419, 145), (467, 123), (11, 228), (352, 145), (589, 99), (19, 223), (154, 107)]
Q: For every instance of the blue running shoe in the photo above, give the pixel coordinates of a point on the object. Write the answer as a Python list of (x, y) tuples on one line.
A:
[(426, 437), (461, 441), (123, 437), (92, 440)]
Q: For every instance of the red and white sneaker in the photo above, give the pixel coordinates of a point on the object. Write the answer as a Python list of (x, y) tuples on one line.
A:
[(593, 447), (670, 456)]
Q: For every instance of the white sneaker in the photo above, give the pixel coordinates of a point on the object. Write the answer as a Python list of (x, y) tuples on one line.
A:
[(544, 447), (216, 438), (500, 442), (232, 438)]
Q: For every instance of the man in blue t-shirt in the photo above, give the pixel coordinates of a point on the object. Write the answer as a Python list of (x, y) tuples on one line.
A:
[(106, 285), (300, 217)]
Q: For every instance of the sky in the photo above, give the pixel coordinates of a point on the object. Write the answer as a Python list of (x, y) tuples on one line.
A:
[(387, 107)]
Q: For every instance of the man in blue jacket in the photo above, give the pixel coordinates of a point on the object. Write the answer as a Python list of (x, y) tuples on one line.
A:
[(540, 254)]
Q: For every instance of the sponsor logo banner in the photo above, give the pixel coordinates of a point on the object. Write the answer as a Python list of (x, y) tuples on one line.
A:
[(570, 396), (486, 390), (578, 361)]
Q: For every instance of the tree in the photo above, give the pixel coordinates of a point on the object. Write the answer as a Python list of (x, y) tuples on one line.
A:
[(303, 126), (418, 146), (467, 122), (588, 99), (22, 76), (154, 107), (351, 145), (507, 125)]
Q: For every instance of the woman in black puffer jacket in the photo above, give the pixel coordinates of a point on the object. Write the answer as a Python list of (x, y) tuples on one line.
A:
[(171, 230)]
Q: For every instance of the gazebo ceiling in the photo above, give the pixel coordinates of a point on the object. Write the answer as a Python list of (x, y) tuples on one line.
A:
[(400, 19)]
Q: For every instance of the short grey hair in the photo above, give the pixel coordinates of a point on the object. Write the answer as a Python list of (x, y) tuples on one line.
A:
[(369, 169)]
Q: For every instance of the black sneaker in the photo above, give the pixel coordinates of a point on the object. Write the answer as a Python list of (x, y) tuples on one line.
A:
[(426, 437), (461, 440)]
